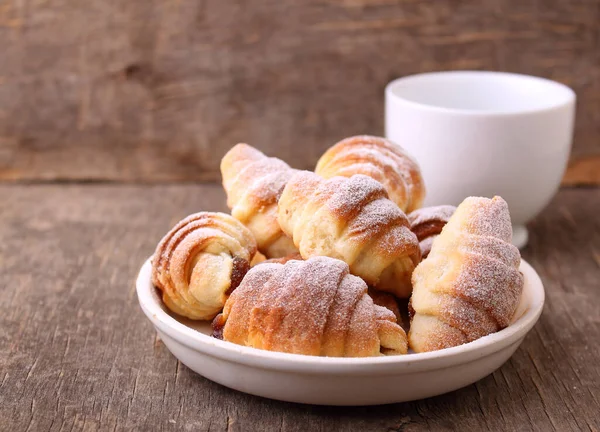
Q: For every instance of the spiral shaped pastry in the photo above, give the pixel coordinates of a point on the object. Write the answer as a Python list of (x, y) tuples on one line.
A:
[(380, 159), (312, 307), (470, 284), (351, 219), (200, 262), (253, 183)]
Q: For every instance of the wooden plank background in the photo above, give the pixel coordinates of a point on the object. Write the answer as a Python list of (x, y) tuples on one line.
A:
[(157, 90)]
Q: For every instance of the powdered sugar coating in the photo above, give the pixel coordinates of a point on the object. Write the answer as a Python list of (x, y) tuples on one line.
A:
[(351, 219), (380, 159), (312, 307), (488, 218), (254, 183), (347, 198), (470, 285)]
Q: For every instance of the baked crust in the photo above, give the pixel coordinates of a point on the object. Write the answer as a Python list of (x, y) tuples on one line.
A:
[(253, 183), (351, 219), (380, 159), (312, 307), (469, 285), (200, 262)]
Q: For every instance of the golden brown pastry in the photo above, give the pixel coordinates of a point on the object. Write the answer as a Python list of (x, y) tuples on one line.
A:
[(312, 307), (380, 159), (351, 219), (470, 284), (427, 223), (200, 262), (253, 183)]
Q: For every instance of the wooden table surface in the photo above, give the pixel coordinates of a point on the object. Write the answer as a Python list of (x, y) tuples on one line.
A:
[(76, 352)]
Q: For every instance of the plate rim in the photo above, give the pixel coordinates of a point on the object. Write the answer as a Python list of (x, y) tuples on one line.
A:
[(409, 363)]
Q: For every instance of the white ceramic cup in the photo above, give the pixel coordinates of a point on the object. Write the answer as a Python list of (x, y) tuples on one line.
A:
[(484, 134)]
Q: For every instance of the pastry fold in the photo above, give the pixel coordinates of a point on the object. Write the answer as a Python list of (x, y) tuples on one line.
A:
[(353, 220), (470, 285), (313, 307), (380, 159), (253, 183), (200, 262)]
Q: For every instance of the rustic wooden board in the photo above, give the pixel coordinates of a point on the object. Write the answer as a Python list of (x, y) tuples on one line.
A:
[(76, 353), (149, 90)]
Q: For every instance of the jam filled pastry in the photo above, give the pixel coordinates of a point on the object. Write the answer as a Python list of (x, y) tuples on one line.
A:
[(200, 262), (470, 285), (427, 223), (380, 159), (312, 307), (351, 219), (253, 183)]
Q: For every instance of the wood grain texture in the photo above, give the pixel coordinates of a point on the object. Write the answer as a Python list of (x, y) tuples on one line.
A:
[(583, 171), (149, 90), (76, 353)]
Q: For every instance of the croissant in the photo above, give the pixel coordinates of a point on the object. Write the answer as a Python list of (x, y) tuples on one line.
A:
[(380, 159), (427, 223), (200, 262), (253, 183), (312, 307), (469, 285), (351, 219)]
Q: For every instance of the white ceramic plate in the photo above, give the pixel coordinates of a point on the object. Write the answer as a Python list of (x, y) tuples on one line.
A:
[(338, 381)]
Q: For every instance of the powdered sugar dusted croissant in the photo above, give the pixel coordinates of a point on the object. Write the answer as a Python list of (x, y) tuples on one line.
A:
[(312, 307), (200, 261), (253, 183), (470, 284), (380, 159), (351, 219)]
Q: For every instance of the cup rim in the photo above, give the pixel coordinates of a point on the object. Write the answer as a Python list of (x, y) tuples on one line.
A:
[(568, 95)]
